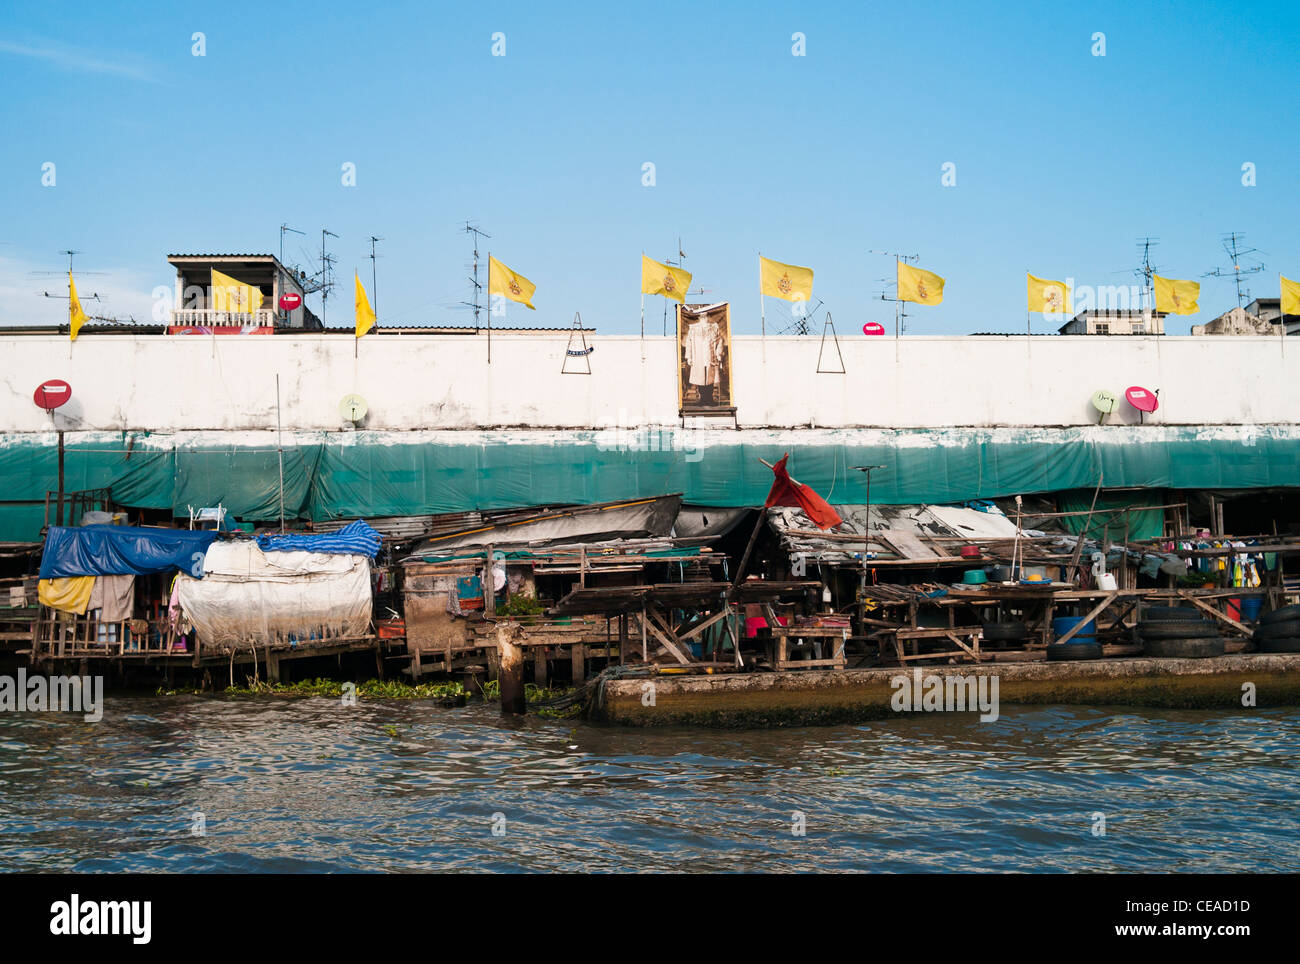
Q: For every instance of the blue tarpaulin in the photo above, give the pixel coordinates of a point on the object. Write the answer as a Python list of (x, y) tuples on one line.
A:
[(355, 538), (123, 550)]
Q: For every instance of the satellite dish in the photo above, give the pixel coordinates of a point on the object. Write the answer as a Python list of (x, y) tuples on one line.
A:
[(1104, 402), (1143, 400), (353, 408), (873, 328)]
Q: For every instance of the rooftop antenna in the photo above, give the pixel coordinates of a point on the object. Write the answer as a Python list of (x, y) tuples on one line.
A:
[(374, 280), (1232, 247), (900, 307), (679, 263), (473, 230), (284, 228), (327, 262), (1146, 270)]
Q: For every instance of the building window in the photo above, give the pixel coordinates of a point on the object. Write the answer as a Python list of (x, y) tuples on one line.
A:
[(1102, 329)]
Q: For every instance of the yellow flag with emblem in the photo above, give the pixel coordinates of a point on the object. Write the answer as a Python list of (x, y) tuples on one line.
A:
[(918, 285), (788, 281), (511, 284), (1290, 296), (76, 317), (1175, 297), (664, 279), (234, 296), (365, 314), (1049, 297)]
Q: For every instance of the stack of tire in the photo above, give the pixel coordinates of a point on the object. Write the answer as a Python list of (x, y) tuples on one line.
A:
[(1178, 632), (1279, 631), (1082, 645), (1009, 631)]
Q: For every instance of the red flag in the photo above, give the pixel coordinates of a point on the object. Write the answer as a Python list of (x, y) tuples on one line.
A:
[(786, 491)]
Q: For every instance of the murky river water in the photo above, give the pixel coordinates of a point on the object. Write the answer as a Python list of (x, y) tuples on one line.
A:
[(307, 785)]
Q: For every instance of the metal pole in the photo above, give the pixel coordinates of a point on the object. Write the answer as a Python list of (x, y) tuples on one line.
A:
[(58, 518), (279, 435)]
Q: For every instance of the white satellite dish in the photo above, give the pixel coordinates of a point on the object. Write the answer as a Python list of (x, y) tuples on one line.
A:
[(353, 408)]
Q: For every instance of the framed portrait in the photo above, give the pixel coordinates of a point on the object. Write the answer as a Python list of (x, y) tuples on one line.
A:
[(704, 384)]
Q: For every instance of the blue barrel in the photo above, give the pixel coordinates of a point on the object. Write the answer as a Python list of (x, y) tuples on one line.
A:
[(1063, 624)]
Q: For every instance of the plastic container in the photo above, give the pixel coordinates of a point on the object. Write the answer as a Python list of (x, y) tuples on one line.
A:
[(1081, 640), (1063, 624), (1250, 608), (974, 577)]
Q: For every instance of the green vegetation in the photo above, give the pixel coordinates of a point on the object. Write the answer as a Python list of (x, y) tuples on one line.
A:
[(520, 605)]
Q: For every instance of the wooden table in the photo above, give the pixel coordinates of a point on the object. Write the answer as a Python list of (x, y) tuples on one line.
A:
[(778, 651)]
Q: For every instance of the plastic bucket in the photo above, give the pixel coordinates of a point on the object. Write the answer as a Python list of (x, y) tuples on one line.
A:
[(1063, 624), (1250, 608)]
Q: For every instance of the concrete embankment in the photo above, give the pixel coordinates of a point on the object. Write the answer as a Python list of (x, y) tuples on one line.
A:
[(812, 697)]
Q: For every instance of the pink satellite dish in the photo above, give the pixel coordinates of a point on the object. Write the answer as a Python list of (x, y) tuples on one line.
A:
[(873, 328), (1141, 399)]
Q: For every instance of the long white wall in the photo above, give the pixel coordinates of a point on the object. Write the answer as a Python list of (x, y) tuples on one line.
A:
[(189, 383)]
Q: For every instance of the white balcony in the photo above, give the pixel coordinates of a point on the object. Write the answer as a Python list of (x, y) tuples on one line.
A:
[(209, 318)]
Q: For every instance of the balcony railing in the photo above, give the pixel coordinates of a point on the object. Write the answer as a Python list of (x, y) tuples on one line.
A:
[(209, 318)]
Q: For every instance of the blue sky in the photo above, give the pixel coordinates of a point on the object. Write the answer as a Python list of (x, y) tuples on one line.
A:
[(1063, 159)]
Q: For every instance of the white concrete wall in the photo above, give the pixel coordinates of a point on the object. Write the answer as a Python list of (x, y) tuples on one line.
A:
[(411, 382)]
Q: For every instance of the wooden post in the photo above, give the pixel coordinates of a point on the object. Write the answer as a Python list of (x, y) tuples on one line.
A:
[(58, 518), (489, 592), (513, 700), (578, 660)]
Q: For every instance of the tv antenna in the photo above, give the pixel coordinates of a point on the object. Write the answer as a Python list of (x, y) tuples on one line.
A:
[(1147, 270), (327, 262), (374, 278), (679, 263), (1233, 249), (472, 229), (283, 229), (900, 307)]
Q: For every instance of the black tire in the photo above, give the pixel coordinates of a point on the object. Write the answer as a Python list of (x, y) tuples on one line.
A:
[(1284, 644), (1164, 614), (1290, 627), (996, 632), (1203, 647), (1068, 652), (1176, 630), (1285, 614)]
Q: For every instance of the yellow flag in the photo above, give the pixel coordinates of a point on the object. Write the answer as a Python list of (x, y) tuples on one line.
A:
[(234, 296), (76, 317), (1174, 297), (503, 281), (365, 314), (916, 284), (788, 281), (1049, 297), (1290, 296), (664, 279)]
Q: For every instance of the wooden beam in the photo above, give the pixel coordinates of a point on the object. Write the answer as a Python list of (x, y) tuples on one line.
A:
[(663, 637), (1249, 633), (1110, 598)]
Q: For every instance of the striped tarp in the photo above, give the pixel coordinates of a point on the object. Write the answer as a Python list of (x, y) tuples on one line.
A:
[(356, 538)]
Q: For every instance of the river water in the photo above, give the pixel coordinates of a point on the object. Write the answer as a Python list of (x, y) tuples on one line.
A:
[(305, 784)]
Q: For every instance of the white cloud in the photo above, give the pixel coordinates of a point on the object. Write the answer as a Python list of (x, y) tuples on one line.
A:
[(73, 59)]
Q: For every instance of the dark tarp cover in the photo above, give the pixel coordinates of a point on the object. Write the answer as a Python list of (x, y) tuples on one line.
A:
[(123, 550), (1115, 514)]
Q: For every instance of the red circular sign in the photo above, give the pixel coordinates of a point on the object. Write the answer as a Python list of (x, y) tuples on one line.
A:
[(1141, 399), (873, 328), (51, 394), (290, 300)]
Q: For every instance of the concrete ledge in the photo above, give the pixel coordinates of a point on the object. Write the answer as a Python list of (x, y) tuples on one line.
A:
[(847, 696)]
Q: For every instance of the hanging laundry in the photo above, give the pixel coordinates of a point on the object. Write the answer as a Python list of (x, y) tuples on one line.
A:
[(114, 597), (69, 594)]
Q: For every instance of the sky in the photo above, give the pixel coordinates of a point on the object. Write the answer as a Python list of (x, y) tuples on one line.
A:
[(834, 159)]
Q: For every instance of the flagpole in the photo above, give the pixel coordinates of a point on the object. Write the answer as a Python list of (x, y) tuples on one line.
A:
[(898, 297)]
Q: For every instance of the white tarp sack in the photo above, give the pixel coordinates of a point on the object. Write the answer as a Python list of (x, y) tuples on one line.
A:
[(277, 597)]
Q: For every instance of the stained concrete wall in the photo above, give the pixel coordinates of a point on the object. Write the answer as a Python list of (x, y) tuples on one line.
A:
[(411, 382)]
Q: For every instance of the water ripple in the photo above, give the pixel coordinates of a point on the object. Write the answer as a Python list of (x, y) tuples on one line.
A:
[(305, 785)]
